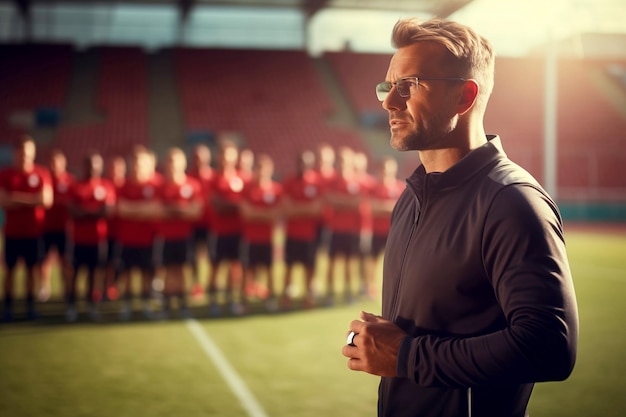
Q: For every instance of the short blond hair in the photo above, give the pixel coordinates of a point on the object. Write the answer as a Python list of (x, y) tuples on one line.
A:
[(473, 54)]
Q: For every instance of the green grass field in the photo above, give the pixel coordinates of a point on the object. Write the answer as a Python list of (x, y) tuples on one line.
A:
[(291, 363)]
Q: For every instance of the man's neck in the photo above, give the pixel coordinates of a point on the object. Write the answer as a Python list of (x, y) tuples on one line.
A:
[(440, 160)]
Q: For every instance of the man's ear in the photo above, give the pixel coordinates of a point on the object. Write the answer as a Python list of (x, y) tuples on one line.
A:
[(468, 96)]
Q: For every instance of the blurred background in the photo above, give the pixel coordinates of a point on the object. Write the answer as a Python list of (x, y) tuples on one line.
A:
[(285, 75)]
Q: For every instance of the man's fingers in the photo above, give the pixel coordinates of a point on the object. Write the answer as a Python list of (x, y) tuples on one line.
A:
[(354, 364), (356, 326), (369, 317), (349, 351)]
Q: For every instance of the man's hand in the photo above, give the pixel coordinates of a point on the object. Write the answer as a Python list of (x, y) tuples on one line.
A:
[(375, 346)]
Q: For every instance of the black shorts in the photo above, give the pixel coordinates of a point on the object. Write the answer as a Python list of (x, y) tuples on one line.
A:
[(224, 248), (112, 249), (378, 244), (300, 251), (91, 256), (324, 235), (29, 249), (347, 244), (141, 257), (256, 254), (176, 252), (56, 240), (200, 235)]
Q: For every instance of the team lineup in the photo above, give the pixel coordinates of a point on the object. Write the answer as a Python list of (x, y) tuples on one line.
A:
[(123, 215)]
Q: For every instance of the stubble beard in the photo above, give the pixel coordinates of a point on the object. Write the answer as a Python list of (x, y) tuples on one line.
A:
[(423, 138)]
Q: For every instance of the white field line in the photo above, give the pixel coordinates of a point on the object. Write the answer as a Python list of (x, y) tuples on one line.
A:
[(605, 273), (232, 378)]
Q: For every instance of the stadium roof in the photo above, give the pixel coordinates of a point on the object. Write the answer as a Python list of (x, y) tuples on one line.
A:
[(516, 28), (441, 8)]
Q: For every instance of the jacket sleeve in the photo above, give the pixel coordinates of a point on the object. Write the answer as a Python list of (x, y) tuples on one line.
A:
[(524, 257)]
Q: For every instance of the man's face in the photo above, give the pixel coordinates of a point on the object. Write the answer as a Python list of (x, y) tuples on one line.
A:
[(58, 163), (424, 120), (94, 166), (25, 154), (229, 157), (176, 163), (201, 156), (141, 166)]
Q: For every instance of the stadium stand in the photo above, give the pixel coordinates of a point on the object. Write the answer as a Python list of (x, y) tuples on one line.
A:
[(358, 73), (592, 128), (278, 104), (33, 83), (122, 99), (274, 99)]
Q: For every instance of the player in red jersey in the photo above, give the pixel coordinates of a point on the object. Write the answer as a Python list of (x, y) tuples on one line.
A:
[(137, 209), (326, 170), (383, 198), (56, 224), (367, 184), (182, 203), (93, 201), (344, 196), (260, 211), (200, 169), (116, 173), (25, 193), (302, 207), (327, 174), (226, 194)]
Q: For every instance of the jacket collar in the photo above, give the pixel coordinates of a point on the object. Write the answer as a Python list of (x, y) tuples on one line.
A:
[(460, 172)]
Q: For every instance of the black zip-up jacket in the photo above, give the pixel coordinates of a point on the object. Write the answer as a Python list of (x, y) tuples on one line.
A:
[(476, 273)]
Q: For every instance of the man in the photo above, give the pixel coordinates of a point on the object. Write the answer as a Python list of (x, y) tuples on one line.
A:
[(259, 211), (25, 193), (200, 169), (56, 224), (383, 197), (226, 194), (116, 173), (478, 300), (182, 202), (93, 202), (302, 207), (137, 210), (327, 173), (344, 195), (366, 184)]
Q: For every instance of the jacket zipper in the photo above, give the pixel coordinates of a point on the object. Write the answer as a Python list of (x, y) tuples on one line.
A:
[(416, 217), (393, 311)]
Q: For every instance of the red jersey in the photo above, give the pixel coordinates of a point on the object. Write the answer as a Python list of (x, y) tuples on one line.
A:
[(326, 180), (204, 177), (305, 189), (261, 197), (175, 194), (24, 221), (346, 220), (113, 220), (367, 183), (58, 216), (228, 189), (385, 192), (91, 195), (136, 232)]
